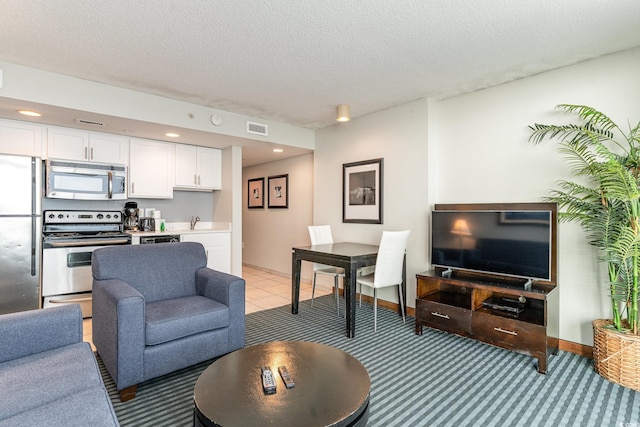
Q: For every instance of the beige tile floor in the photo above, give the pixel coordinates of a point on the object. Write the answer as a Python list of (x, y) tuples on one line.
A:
[(263, 290)]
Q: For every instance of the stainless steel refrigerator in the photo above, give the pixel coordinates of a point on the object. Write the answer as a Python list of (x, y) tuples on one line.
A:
[(20, 232)]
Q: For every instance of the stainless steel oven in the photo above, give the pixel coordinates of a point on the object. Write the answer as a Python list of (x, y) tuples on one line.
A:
[(69, 239)]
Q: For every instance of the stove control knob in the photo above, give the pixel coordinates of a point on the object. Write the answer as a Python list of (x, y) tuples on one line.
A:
[(60, 216), (51, 216), (108, 216), (100, 216), (115, 216)]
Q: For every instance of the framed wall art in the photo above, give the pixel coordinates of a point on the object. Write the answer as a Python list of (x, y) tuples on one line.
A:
[(362, 192), (278, 191), (255, 190)]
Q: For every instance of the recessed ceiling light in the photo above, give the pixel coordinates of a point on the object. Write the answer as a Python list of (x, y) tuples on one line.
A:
[(172, 134), (30, 113), (278, 150)]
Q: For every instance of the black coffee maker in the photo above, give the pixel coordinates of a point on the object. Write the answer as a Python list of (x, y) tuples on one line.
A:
[(131, 216)]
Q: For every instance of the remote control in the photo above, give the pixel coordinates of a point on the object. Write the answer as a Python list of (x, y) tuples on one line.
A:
[(288, 382), (268, 381)]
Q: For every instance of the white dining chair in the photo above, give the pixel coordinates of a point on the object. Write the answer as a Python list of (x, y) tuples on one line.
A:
[(388, 269), (321, 235)]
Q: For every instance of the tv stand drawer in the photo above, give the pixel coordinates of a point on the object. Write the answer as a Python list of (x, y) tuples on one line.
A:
[(442, 316), (508, 333)]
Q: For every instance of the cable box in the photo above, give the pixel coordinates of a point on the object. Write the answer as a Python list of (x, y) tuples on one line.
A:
[(509, 305)]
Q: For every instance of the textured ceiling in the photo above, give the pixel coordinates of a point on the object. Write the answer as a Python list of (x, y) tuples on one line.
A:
[(295, 61)]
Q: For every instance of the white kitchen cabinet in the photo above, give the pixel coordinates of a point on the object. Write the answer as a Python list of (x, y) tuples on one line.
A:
[(217, 246), (76, 144), (20, 138), (198, 168), (151, 169)]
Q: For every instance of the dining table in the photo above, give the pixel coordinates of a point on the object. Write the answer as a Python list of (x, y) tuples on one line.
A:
[(350, 256)]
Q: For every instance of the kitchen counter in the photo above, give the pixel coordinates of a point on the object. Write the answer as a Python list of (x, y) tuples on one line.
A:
[(184, 228)]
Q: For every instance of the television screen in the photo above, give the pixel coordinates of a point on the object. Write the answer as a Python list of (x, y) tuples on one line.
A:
[(512, 243)]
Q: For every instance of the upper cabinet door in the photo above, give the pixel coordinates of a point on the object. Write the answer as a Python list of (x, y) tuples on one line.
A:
[(151, 169), (67, 144), (210, 168), (198, 168), (186, 165), (76, 144), (20, 138), (106, 148)]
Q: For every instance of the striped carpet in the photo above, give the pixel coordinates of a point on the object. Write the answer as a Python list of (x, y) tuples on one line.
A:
[(436, 379)]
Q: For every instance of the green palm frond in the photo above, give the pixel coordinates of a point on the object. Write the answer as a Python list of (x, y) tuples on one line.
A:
[(606, 200)]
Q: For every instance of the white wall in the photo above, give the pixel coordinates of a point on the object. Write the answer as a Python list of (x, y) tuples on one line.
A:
[(269, 234), (481, 154), (473, 148), (399, 135)]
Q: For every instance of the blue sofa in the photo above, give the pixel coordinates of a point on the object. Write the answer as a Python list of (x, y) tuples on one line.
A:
[(48, 376), (158, 308)]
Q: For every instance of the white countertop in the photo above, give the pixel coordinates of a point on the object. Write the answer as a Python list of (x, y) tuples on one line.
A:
[(184, 228)]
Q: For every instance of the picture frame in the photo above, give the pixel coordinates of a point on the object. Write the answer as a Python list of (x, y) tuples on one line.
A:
[(255, 193), (362, 192), (278, 191)]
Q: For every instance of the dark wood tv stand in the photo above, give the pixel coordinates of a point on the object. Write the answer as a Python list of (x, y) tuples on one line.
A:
[(454, 304)]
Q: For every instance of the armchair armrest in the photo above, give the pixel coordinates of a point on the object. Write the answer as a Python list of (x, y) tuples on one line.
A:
[(230, 291), (35, 331), (118, 330)]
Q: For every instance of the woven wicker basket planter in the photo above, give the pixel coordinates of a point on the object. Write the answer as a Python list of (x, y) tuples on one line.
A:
[(616, 355)]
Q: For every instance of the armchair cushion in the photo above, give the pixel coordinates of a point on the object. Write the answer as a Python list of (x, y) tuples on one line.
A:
[(158, 272), (168, 320)]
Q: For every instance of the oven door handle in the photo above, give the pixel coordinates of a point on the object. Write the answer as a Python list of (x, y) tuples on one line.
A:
[(88, 243), (69, 300)]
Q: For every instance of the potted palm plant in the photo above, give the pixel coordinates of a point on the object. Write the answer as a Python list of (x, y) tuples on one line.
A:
[(604, 199)]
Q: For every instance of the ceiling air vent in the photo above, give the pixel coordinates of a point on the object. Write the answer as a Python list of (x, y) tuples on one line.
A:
[(257, 129), (89, 122)]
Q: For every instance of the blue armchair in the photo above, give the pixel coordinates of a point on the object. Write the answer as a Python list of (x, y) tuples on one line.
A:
[(157, 309)]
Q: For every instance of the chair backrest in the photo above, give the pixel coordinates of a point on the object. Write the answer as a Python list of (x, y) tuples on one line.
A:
[(320, 234), (390, 259), (158, 272)]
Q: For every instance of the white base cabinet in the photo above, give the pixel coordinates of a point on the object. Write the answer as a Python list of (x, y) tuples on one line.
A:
[(217, 246)]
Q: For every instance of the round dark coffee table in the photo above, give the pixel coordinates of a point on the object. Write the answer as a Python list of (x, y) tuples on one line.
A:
[(331, 388)]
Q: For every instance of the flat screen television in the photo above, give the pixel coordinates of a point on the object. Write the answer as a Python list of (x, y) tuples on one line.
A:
[(515, 243)]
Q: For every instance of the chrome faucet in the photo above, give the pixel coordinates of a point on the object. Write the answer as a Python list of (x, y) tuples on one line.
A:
[(194, 220)]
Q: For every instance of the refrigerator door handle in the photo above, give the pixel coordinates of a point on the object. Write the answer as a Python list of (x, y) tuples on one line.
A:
[(36, 168)]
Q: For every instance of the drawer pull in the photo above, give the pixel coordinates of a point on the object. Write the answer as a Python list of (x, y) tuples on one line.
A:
[(444, 316), (505, 331)]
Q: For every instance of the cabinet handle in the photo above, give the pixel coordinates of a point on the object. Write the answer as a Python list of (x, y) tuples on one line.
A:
[(444, 316), (133, 188), (91, 153), (505, 331), (195, 179), (198, 179), (86, 154)]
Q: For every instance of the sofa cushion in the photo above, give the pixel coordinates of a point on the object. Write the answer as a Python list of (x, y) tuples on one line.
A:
[(171, 319), (41, 378), (90, 407)]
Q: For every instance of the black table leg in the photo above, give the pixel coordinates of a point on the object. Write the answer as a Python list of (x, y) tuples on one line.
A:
[(296, 264), (350, 295)]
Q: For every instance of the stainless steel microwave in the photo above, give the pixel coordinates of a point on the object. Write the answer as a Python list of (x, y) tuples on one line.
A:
[(85, 181)]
